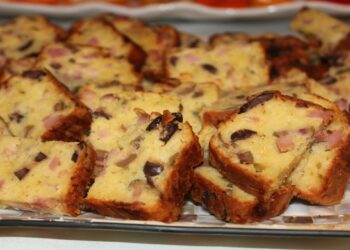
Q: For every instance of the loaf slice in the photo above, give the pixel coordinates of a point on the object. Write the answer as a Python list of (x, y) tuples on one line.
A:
[(75, 65), (322, 174), (98, 32), (229, 66), (46, 177), (230, 203), (316, 24), (258, 148), (148, 172), (26, 35), (36, 105), (155, 41)]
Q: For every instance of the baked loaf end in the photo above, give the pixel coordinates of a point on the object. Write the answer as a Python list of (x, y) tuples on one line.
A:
[(230, 203), (47, 177), (36, 105), (148, 173), (258, 148)]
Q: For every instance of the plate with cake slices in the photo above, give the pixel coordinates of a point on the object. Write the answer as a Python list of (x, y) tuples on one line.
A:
[(187, 10), (116, 123)]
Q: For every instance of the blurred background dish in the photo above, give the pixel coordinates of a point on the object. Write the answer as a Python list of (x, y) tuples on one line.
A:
[(166, 9)]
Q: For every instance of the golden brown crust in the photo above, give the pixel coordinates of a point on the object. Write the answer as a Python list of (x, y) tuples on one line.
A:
[(170, 205), (335, 181), (214, 117), (224, 207), (80, 179), (73, 126), (227, 208)]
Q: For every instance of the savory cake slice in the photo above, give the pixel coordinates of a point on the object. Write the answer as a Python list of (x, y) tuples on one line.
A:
[(148, 172), (98, 32), (36, 105), (316, 24), (322, 174), (259, 147), (229, 66), (46, 177), (26, 35), (230, 203), (155, 41), (75, 65)]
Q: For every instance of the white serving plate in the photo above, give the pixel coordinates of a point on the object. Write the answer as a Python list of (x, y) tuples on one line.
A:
[(179, 10)]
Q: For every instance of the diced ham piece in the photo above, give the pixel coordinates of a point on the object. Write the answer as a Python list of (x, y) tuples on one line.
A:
[(55, 162), (93, 41), (284, 142), (57, 52), (155, 54), (2, 61), (142, 117), (191, 58), (342, 104), (87, 95), (327, 116), (2, 184), (332, 138), (51, 120), (103, 133)]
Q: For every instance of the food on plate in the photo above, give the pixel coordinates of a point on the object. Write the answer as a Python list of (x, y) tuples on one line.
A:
[(46, 177), (241, 124)]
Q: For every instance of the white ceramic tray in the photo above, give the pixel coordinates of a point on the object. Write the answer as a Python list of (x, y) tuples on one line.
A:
[(179, 10)]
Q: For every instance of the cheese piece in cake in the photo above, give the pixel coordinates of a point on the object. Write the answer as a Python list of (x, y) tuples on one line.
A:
[(36, 105), (154, 41), (98, 32), (322, 174), (46, 177), (75, 65), (26, 36), (229, 66), (230, 203), (194, 97), (258, 148), (314, 23), (149, 170), (16, 67)]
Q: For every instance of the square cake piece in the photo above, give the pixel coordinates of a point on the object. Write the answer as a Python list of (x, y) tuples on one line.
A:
[(46, 177), (145, 157), (260, 146), (26, 35), (230, 66), (149, 169), (36, 105), (100, 33), (76, 65)]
